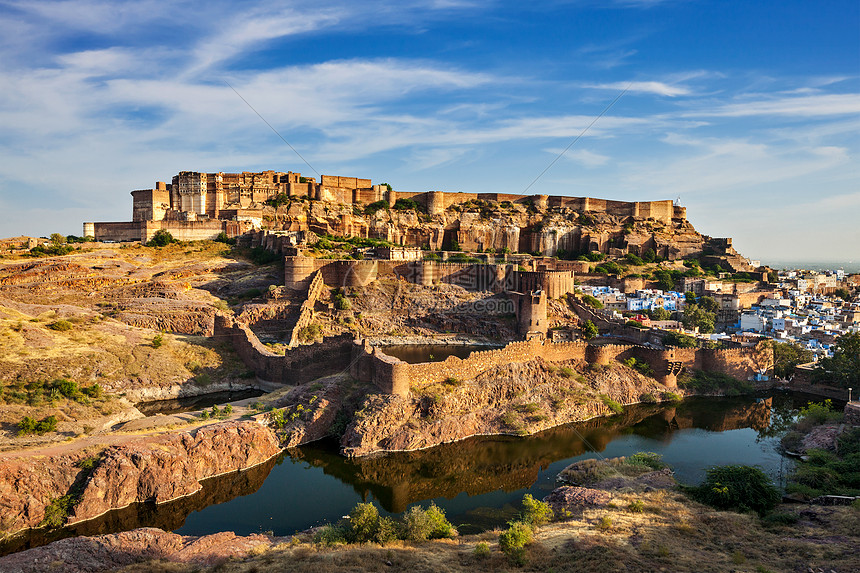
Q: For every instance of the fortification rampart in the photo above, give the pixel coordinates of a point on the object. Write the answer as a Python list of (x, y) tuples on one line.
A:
[(297, 365), (298, 271), (396, 377), (306, 312)]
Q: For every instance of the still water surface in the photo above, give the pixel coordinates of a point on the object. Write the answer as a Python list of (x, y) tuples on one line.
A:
[(479, 482)]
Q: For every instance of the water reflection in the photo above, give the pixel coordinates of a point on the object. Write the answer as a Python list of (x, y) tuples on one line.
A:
[(478, 481), (481, 465), (189, 403)]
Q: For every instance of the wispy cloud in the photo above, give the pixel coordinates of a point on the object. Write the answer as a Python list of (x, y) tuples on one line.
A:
[(648, 87)]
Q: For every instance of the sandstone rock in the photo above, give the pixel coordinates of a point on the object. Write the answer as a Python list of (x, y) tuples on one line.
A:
[(159, 469), (574, 498), (108, 552)]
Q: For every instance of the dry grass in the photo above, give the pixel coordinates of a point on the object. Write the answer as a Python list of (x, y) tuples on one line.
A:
[(681, 536)]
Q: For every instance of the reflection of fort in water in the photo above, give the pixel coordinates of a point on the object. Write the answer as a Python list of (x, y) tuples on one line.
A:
[(481, 465)]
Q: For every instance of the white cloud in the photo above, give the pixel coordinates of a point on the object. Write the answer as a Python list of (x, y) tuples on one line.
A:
[(808, 106), (652, 87)]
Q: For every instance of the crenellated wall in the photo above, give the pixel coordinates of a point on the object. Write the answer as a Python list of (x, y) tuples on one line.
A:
[(393, 376), (296, 365)]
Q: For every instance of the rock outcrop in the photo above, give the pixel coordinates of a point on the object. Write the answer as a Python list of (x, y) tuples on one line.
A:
[(514, 399), (117, 550), (155, 470)]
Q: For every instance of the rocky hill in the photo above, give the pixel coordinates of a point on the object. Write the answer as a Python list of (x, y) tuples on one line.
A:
[(491, 226)]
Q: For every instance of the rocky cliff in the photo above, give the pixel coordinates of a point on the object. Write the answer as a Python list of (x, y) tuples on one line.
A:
[(513, 399), (156, 470), (479, 225)]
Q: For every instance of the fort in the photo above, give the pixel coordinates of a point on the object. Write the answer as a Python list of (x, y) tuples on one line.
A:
[(198, 206)]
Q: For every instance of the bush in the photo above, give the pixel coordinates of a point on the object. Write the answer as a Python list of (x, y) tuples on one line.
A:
[(482, 550), (680, 340), (376, 206), (605, 523), (591, 301), (60, 325), (161, 238), (420, 524), (341, 302), (157, 341), (29, 425), (736, 487), (566, 372), (589, 330), (611, 404), (637, 506), (516, 536), (223, 238), (330, 535), (535, 512), (672, 396), (363, 523)]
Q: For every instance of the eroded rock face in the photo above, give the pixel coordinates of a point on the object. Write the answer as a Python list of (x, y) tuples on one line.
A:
[(512, 399), (113, 551), (174, 468), (160, 469)]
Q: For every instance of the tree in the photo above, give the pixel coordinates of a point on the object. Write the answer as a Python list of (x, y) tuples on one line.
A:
[(57, 239), (589, 331), (679, 340), (660, 313), (709, 304), (697, 317), (786, 356), (161, 238), (844, 368), (690, 297)]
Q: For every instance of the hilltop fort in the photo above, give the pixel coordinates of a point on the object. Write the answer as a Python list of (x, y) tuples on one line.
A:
[(198, 206)]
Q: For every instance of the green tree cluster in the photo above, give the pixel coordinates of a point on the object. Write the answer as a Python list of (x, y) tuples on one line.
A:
[(786, 356), (843, 369)]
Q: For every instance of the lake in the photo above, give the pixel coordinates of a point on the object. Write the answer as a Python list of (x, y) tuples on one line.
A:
[(479, 482)]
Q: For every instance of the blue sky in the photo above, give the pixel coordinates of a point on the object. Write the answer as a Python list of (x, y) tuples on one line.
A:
[(747, 111)]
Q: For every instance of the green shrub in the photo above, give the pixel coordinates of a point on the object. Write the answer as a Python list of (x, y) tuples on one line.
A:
[(742, 488), (591, 301), (482, 550), (605, 523), (420, 524), (61, 325), (817, 414), (157, 341), (329, 535), (341, 302), (535, 512), (376, 206), (310, 333), (672, 396), (29, 425), (648, 398), (649, 460), (611, 404), (363, 523), (636, 506), (566, 372), (161, 238), (228, 409), (516, 536)]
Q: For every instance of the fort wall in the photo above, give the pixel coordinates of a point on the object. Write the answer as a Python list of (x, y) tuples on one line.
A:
[(297, 365), (394, 376)]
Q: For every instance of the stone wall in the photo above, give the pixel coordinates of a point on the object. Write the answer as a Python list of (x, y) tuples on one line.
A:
[(306, 313), (297, 365), (393, 376), (125, 231)]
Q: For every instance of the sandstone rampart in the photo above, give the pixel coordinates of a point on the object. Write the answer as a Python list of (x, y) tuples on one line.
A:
[(393, 376)]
